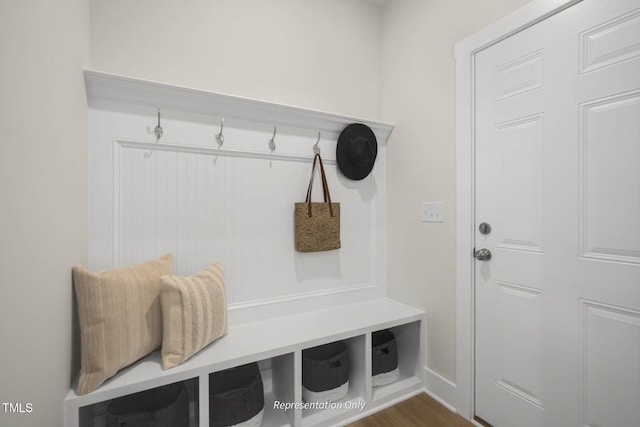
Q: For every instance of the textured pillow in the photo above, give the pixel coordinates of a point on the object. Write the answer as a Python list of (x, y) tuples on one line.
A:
[(194, 313), (120, 318)]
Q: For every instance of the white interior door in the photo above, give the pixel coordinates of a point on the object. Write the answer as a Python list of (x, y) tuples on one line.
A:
[(557, 110)]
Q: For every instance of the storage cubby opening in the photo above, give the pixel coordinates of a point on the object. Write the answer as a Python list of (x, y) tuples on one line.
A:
[(354, 400), (277, 377), (384, 358), (407, 339), (96, 415)]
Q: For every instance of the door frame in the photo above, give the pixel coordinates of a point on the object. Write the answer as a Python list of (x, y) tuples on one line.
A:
[(465, 52)]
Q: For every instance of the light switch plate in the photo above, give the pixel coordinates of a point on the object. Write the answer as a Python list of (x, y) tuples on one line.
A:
[(432, 212)]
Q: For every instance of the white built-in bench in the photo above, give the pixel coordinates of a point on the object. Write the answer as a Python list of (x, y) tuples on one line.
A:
[(148, 197), (277, 345)]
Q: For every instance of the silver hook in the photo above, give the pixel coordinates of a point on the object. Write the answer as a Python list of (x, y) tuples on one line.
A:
[(220, 136), (316, 149), (272, 141), (158, 131)]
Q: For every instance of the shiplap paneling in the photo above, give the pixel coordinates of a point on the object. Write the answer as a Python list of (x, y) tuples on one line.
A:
[(181, 196)]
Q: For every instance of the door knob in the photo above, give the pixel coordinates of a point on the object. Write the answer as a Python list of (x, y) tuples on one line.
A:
[(482, 254)]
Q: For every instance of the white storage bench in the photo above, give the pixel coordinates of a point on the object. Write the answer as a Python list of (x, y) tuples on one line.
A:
[(277, 345)]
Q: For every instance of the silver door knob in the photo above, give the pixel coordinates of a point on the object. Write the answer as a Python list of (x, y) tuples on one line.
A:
[(482, 254)]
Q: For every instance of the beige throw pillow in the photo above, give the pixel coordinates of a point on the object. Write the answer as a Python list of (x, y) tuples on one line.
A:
[(119, 316), (194, 313)]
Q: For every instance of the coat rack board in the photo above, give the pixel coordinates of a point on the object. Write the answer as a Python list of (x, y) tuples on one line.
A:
[(209, 177)]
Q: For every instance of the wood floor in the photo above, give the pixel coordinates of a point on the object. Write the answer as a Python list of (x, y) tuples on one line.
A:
[(420, 410)]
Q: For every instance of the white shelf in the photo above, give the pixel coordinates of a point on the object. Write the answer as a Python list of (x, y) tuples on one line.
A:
[(319, 416), (280, 339), (397, 388), (122, 93), (410, 360)]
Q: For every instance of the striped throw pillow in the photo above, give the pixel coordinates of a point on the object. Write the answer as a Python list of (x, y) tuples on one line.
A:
[(194, 313), (119, 317)]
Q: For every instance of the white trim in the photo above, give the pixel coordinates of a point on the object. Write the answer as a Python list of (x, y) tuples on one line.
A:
[(464, 230), (116, 213), (516, 21), (440, 389), (218, 151), (106, 90), (465, 52)]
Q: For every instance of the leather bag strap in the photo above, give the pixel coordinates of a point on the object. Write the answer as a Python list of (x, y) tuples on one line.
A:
[(325, 185)]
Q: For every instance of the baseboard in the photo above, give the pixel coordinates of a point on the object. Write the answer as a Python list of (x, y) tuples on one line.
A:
[(440, 388)]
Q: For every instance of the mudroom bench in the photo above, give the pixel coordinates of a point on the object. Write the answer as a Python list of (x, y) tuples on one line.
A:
[(277, 344)]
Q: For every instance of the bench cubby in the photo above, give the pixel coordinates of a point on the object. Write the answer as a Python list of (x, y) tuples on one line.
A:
[(95, 415), (356, 394), (408, 339)]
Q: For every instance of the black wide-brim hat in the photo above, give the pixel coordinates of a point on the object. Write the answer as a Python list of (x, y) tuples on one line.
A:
[(356, 151)]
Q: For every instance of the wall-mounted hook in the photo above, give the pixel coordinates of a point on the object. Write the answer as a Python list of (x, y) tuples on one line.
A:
[(316, 149), (158, 131), (219, 135), (272, 141)]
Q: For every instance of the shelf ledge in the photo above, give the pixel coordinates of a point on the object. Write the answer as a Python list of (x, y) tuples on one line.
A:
[(104, 90)]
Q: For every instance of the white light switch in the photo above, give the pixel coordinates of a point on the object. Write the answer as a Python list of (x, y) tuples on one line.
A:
[(432, 212)]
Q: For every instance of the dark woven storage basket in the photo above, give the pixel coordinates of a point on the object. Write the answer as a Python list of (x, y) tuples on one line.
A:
[(235, 395), (166, 406), (325, 367), (384, 352)]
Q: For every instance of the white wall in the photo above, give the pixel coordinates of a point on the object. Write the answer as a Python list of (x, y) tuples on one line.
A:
[(43, 193), (418, 82), (323, 55)]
